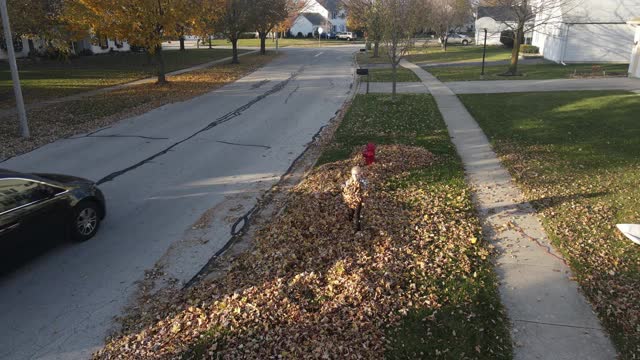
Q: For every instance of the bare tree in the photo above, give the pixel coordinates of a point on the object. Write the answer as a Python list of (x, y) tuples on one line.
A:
[(527, 16), (400, 21), (445, 16), (367, 14)]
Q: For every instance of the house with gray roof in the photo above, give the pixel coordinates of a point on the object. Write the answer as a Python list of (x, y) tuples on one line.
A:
[(495, 19), (325, 14)]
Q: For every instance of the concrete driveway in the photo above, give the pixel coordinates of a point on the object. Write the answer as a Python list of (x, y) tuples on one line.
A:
[(175, 179)]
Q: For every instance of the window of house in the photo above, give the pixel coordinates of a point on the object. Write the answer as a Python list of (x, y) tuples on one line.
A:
[(104, 42), (17, 44)]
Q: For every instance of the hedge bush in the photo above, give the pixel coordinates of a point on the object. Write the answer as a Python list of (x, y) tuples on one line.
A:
[(529, 49)]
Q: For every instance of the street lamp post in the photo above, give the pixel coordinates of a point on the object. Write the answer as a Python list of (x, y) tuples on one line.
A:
[(484, 51), (22, 114)]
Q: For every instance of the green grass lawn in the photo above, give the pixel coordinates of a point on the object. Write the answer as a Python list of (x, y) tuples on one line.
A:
[(529, 71), (367, 58), (285, 42), (469, 323), (45, 79), (471, 53), (577, 157), (432, 54), (386, 75)]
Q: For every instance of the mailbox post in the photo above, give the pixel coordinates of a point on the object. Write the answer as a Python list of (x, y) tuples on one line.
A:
[(363, 72)]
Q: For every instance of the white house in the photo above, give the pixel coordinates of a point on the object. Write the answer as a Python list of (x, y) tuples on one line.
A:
[(634, 64), (307, 23), (337, 16), (591, 31), (20, 46), (320, 13), (495, 19), (102, 45)]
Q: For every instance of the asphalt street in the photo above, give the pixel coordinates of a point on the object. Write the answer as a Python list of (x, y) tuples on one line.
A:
[(175, 179)]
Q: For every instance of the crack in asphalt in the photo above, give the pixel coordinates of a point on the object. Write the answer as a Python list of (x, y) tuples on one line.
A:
[(121, 136), (248, 145), (291, 93), (560, 325), (259, 84), (221, 120)]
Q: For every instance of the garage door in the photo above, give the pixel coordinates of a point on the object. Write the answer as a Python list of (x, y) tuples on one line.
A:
[(599, 43)]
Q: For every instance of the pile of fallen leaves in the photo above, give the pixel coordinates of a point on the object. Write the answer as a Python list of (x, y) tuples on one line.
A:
[(313, 287)]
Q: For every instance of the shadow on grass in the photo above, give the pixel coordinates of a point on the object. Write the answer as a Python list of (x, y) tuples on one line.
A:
[(576, 156)]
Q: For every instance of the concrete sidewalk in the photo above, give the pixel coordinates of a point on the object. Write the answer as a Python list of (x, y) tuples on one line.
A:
[(479, 63), (40, 104), (514, 86), (510, 86), (550, 318)]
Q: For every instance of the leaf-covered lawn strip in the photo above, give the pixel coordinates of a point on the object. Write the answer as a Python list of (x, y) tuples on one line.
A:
[(577, 157), (529, 71), (47, 78), (386, 75), (57, 121), (468, 321), (414, 282)]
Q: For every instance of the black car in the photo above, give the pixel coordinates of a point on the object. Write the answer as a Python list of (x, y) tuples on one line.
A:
[(39, 207)]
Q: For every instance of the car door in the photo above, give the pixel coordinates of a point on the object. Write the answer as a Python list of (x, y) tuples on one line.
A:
[(11, 226), (51, 215)]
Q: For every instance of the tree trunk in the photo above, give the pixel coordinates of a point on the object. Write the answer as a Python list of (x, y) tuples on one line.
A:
[(160, 65), (234, 45), (376, 49), (444, 41), (209, 41), (513, 65), (394, 78), (182, 43), (263, 42)]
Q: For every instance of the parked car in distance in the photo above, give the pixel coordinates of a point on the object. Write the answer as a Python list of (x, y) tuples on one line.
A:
[(346, 36), (39, 207), (328, 36), (455, 38)]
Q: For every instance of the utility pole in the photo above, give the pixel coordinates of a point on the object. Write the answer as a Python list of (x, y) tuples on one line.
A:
[(22, 114)]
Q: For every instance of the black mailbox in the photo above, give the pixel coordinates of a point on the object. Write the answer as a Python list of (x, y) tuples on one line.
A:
[(363, 50), (362, 71)]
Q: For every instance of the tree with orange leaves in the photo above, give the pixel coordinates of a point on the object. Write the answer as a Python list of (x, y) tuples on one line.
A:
[(145, 23)]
